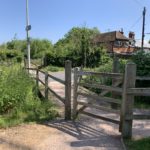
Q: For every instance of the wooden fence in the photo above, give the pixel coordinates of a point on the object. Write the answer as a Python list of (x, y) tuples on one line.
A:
[(127, 92), (67, 83), (122, 85)]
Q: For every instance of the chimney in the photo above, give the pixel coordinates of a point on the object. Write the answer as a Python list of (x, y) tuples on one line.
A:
[(131, 35), (121, 31)]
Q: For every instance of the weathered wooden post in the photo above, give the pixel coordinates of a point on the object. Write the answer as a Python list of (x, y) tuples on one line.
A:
[(75, 94), (126, 117), (68, 65), (115, 70), (46, 85)]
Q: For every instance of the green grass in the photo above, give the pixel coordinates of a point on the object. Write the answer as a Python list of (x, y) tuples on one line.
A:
[(141, 105), (53, 68), (143, 144), (19, 102)]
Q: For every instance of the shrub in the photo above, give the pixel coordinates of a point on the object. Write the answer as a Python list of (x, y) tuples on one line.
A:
[(142, 61), (10, 54), (18, 101)]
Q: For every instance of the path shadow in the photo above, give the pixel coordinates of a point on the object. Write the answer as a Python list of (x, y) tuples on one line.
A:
[(13, 145), (86, 135)]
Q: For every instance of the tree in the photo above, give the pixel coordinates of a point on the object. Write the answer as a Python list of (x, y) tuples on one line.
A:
[(76, 46), (40, 47)]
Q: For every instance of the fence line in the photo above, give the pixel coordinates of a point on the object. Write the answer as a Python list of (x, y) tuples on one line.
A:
[(67, 99), (127, 91)]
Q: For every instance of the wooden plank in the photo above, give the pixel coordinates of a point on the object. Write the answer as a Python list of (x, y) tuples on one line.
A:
[(41, 82), (31, 68), (58, 96), (101, 98), (127, 101), (142, 78), (37, 81), (75, 95), (42, 71), (141, 117), (105, 87), (139, 91), (56, 79), (104, 74), (100, 117), (117, 83), (81, 109), (46, 86), (68, 68), (92, 105)]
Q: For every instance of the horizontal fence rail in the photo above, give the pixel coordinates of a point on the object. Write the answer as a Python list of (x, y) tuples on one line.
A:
[(59, 97), (100, 117), (142, 78), (56, 79), (139, 91), (100, 98), (90, 104), (104, 87), (111, 75), (141, 117), (41, 81)]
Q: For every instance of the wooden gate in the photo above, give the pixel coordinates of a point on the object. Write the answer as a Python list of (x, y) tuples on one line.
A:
[(101, 101), (119, 93)]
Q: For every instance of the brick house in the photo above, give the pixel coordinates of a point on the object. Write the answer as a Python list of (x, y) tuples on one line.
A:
[(116, 42)]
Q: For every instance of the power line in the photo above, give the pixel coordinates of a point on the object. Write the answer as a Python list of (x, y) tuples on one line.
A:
[(139, 3), (136, 22)]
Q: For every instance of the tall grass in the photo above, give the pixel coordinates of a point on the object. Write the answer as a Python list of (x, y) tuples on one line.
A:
[(18, 101)]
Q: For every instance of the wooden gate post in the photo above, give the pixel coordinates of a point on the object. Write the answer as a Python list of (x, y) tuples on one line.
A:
[(115, 70), (126, 117), (46, 85), (75, 93), (68, 65)]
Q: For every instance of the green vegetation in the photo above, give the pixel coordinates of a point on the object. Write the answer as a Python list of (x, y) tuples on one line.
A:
[(143, 69), (76, 46), (19, 102), (53, 68), (143, 144), (6, 55)]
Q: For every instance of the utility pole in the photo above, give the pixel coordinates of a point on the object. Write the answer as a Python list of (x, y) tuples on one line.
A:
[(143, 28), (28, 28)]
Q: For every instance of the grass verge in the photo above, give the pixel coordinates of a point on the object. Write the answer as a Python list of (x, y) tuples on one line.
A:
[(142, 144)]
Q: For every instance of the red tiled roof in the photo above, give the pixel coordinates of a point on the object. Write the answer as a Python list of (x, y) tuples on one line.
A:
[(110, 37)]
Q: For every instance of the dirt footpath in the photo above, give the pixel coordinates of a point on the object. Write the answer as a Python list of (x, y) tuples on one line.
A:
[(60, 135)]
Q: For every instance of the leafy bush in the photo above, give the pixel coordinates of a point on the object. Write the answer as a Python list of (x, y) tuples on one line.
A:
[(142, 61), (10, 54), (19, 102)]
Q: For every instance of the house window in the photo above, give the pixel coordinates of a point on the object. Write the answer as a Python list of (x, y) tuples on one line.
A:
[(118, 43)]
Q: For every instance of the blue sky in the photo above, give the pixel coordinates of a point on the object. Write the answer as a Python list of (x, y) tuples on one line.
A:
[(51, 19)]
